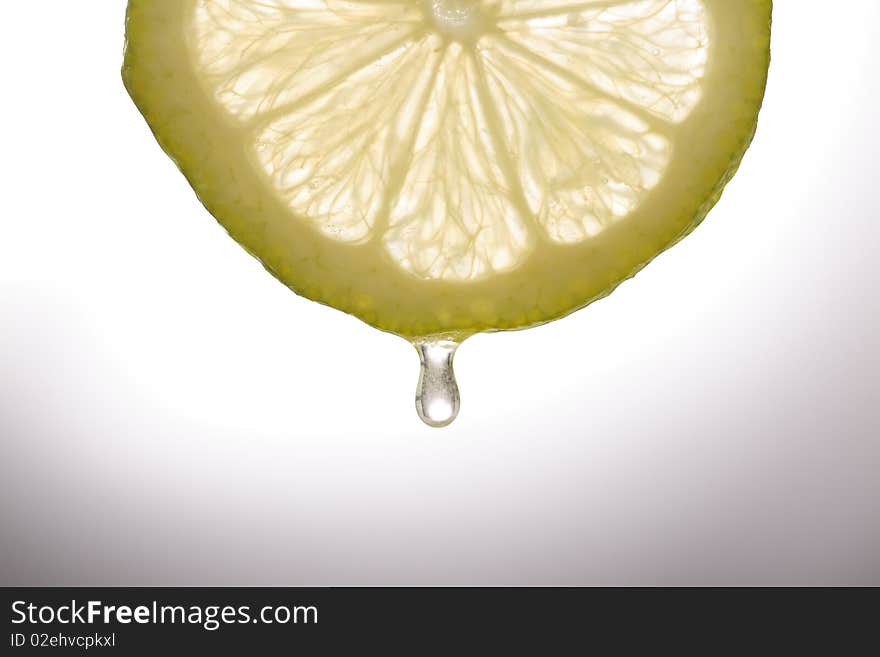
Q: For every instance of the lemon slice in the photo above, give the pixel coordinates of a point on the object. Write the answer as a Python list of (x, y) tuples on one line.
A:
[(443, 167)]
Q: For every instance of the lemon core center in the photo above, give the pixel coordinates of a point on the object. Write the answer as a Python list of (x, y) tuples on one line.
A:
[(459, 20)]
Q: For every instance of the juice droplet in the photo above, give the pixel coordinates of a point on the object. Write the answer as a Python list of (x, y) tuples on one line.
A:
[(437, 397)]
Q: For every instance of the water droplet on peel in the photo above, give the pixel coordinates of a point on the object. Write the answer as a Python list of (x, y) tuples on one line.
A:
[(437, 397)]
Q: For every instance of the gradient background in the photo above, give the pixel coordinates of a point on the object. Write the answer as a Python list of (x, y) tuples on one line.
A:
[(171, 415)]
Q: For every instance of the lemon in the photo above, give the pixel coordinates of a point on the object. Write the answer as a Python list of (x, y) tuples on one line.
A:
[(443, 167)]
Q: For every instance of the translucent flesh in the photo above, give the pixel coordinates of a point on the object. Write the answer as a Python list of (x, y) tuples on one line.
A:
[(450, 166)]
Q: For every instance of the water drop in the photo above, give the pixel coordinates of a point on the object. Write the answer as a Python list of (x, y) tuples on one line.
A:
[(437, 397)]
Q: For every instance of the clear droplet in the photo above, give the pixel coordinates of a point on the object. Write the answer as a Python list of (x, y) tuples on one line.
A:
[(437, 397)]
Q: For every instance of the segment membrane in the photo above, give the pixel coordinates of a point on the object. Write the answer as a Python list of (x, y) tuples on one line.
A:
[(259, 55), (651, 53), (454, 218), (333, 159), (583, 161)]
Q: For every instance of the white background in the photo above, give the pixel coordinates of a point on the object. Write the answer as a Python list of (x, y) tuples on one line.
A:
[(170, 414)]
